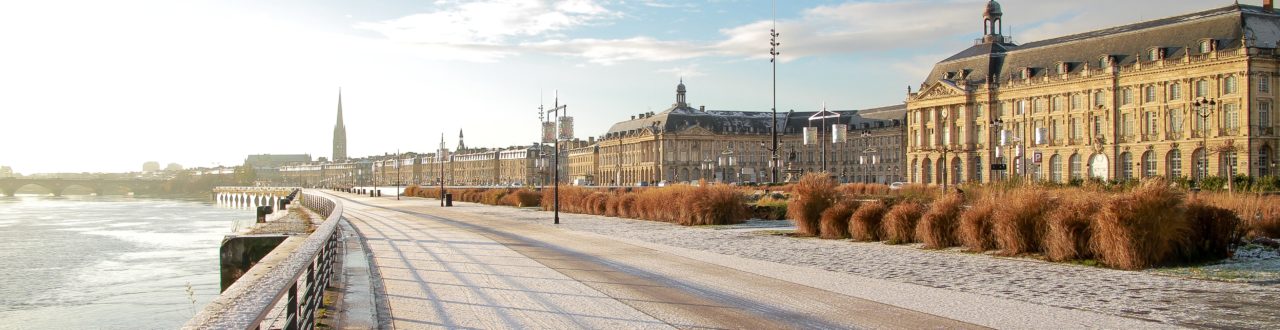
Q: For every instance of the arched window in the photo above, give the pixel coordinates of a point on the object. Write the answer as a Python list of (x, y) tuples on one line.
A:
[(1055, 169), (1126, 166), (957, 171), (1149, 164), (976, 175), (926, 171), (1264, 160), (1201, 169), (1175, 163), (1077, 170)]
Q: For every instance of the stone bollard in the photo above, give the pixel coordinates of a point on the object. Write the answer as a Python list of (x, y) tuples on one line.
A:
[(263, 211)]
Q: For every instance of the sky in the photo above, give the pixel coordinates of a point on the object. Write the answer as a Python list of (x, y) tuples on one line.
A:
[(104, 86)]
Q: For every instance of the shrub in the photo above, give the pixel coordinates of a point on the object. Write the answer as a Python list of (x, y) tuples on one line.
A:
[(1018, 224), (1142, 228), (975, 226), (900, 223), (714, 205), (813, 194), (1213, 230), (835, 220), (937, 228), (522, 198), (1070, 227), (864, 225)]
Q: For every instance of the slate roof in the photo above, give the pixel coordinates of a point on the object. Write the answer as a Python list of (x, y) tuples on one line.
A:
[(1228, 26), (679, 118)]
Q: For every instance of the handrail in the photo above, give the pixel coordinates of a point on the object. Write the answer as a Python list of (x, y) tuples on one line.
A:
[(249, 302)]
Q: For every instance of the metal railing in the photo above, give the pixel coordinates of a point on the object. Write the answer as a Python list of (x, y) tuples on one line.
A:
[(286, 296)]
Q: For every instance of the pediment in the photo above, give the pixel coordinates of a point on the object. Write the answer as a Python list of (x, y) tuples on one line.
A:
[(696, 130), (941, 88)]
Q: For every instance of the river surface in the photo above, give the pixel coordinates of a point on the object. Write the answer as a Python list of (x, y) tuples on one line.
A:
[(109, 262)]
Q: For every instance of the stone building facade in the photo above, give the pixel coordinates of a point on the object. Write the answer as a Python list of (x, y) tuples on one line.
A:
[(686, 144), (1120, 103)]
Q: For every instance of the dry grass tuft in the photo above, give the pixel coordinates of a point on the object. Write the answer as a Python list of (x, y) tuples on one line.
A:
[(1214, 230), (835, 220), (937, 229), (813, 194), (1070, 225), (975, 226), (1018, 224), (900, 223), (1142, 228), (864, 225)]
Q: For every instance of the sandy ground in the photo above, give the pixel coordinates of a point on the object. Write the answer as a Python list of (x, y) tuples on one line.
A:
[(1148, 295)]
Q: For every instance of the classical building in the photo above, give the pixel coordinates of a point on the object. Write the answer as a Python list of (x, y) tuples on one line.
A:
[(684, 144), (1189, 95), (6, 172), (339, 135)]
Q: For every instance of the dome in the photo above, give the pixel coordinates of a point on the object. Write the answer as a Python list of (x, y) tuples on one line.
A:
[(680, 87), (993, 10)]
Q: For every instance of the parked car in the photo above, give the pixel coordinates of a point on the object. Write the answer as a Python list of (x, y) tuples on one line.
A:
[(663, 183), (896, 185), (642, 184)]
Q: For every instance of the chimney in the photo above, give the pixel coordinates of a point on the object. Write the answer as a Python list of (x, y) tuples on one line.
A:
[(1268, 5), (633, 117), (702, 108)]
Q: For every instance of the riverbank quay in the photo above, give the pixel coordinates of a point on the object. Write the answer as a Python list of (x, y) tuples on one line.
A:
[(286, 288), (967, 285)]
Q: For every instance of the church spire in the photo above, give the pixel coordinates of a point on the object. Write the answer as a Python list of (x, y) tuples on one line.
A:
[(339, 134)]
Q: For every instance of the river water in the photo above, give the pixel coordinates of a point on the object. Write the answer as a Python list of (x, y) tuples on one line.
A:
[(109, 262)]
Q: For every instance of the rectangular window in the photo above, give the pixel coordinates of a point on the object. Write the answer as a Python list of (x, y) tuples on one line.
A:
[(1264, 84), (1022, 107), (1037, 106), (1075, 101), (1151, 124), (1126, 124), (1126, 96), (1099, 99), (1232, 118), (1229, 85), (1097, 127), (1057, 104), (1264, 114), (1202, 88), (1076, 130), (977, 111), (1151, 94), (1175, 92), (1175, 120)]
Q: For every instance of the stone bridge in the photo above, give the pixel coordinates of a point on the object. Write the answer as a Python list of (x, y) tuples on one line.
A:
[(10, 186)]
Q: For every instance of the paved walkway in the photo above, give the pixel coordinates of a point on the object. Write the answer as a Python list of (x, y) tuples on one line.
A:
[(444, 268)]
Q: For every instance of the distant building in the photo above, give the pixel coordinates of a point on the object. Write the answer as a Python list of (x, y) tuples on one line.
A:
[(6, 172), (269, 160), (173, 167), (340, 135), (151, 167)]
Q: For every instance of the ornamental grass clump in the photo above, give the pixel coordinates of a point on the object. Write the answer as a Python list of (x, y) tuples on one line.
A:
[(1143, 228), (975, 226), (713, 205), (813, 194), (899, 224), (1214, 230), (864, 225), (522, 198), (1018, 223), (937, 228), (835, 220), (1070, 226)]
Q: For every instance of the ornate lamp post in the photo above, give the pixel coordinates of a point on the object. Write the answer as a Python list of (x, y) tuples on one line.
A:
[(708, 167), (726, 163), (1203, 108)]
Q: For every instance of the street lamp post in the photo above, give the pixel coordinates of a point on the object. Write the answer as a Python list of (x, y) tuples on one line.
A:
[(1204, 108), (773, 52), (823, 116), (556, 158)]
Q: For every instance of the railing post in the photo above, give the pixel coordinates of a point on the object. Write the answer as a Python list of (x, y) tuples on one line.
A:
[(291, 308)]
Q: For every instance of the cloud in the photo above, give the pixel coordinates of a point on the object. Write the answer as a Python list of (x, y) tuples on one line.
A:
[(486, 30), (612, 51), (688, 71)]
